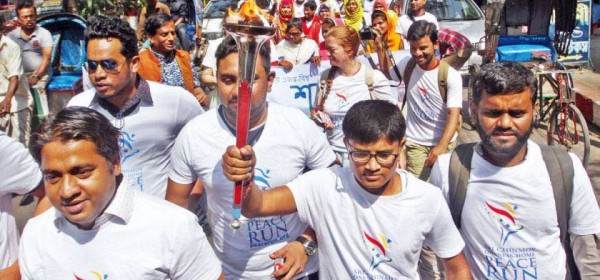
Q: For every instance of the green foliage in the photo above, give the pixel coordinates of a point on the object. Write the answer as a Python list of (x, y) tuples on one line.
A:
[(88, 8)]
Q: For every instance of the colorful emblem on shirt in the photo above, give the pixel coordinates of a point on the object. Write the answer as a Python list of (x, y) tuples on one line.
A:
[(126, 143), (377, 246), (424, 93), (96, 274), (266, 231), (506, 215)]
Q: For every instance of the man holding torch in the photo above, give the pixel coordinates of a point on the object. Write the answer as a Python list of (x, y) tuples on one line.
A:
[(289, 144)]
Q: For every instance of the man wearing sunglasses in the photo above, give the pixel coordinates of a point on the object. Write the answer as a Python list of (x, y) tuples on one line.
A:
[(162, 63), (371, 219), (149, 115)]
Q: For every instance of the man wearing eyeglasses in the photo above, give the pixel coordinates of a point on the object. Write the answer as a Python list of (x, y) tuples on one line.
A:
[(149, 115), (371, 219)]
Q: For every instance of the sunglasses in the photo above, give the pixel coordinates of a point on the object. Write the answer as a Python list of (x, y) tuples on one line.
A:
[(107, 65)]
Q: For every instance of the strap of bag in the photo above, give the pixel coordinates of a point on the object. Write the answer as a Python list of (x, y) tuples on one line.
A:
[(324, 89), (408, 70), (561, 171), (443, 80), (458, 179), (369, 81)]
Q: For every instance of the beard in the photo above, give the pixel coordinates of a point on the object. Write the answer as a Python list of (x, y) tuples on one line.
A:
[(504, 148)]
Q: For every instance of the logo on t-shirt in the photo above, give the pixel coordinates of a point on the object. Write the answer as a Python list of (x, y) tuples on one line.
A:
[(126, 143), (377, 246), (424, 94), (268, 230), (506, 215), (97, 276), (508, 262)]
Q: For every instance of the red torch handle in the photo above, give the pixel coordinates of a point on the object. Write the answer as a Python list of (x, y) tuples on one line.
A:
[(241, 134)]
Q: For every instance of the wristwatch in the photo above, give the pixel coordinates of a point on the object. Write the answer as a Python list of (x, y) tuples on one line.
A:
[(310, 247), (36, 76)]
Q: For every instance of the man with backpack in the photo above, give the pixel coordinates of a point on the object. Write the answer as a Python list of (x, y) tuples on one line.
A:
[(519, 220)]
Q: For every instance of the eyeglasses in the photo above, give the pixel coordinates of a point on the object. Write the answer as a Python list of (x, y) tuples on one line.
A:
[(295, 34), (381, 158), (108, 65)]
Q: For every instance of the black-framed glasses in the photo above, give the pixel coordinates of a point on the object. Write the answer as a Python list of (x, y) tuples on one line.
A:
[(108, 65), (381, 158)]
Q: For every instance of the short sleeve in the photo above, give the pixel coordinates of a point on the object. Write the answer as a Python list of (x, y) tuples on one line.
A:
[(455, 86), (307, 196), (439, 174), (14, 61), (181, 170), (444, 238), (585, 214), (318, 151), (46, 39), (20, 173), (188, 108), (383, 90), (193, 257)]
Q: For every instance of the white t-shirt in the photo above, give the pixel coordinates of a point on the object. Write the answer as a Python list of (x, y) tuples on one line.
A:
[(509, 219), (297, 53), (427, 113), (299, 9), (144, 238), (19, 173), (366, 236), (148, 134), (404, 23), (289, 143), (347, 91), (10, 60)]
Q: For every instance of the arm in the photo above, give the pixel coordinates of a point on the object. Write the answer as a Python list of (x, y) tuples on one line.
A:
[(12, 272), (208, 76), (586, 251), (294, 256), (10, 93), (178, 193), (238, 165), (449, 130), (456, 267), (140, 28), (41, 71)]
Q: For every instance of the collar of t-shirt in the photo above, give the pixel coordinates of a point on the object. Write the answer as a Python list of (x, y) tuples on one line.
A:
[(253, 134), (479, 150), (119, 210), (142, 94), (31, 36)]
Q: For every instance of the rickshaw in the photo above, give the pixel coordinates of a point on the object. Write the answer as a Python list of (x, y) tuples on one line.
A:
[(540, 49)]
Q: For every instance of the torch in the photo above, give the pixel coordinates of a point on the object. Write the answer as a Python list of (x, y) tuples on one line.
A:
[(251, 28)]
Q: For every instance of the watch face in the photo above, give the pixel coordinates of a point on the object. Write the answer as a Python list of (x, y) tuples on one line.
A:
[(310, 248)]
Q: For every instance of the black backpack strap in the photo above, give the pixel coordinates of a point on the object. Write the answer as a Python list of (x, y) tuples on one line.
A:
[(561, 171), (459, 172)]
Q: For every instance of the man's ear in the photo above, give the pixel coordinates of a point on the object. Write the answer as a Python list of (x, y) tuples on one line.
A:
[(473, 112), (270, 80), (135, 63)]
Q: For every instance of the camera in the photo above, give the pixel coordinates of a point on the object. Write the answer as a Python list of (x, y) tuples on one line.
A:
[(367, 33)]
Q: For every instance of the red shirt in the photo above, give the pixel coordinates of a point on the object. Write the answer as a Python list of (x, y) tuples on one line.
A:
[(451, 42), (312, 32)]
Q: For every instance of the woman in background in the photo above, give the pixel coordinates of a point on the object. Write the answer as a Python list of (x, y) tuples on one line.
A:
[(285, 13), (354, 14), (295, 49)]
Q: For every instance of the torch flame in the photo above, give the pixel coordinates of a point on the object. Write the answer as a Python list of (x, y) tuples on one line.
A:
[(249, 12)]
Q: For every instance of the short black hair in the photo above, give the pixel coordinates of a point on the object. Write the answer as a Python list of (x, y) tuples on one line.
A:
[(379, 14), (155, 22), (503, 78), (370, 120), (229, 46), (24, 5), (76, 124), (295, 22), (311, 5), (102, 27), (421, 28)]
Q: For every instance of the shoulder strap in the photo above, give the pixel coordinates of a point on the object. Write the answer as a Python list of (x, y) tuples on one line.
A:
[(369, 81), (561, 171), (458, 178), (323, 89), (408, 70), (443, 79)]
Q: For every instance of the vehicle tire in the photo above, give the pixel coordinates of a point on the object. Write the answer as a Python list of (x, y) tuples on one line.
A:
[(568, 129)]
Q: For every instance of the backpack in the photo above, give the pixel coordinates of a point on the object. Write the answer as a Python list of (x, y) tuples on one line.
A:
[(325, 87), (561, 171), (442, 78)]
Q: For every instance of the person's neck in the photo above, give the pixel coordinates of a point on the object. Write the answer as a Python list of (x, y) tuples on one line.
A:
[(164, 54), (121, 99), (254, 122), (309, 19), (418, 13), (350, 69), (27, 31), (434, 63), (391, 187), (502, 160)]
